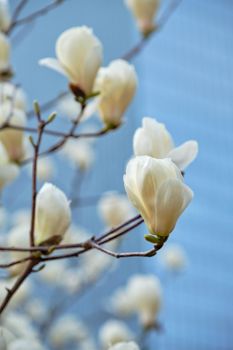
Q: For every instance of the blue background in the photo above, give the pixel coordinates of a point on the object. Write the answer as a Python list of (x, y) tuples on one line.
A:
[(185, 80)]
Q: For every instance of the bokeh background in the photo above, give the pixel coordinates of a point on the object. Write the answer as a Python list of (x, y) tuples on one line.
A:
[(185, 80)]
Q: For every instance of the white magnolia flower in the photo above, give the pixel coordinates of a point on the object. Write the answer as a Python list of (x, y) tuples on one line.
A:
[(4, 54), (5, 17), (155, 187), (125, 346), (8, 171), (153, 140), (117, 85), (113, 332), (67, 329), (6, 337), (80, 153), (145, 295), (53, 214), (14, 94), (173, 257), (115, 209), (23, 344), (79, 56), (13, 139), (144, 12)]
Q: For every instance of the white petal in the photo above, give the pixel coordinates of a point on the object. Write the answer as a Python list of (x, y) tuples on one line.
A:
[(172, 199), (185, 154), (54, 64)]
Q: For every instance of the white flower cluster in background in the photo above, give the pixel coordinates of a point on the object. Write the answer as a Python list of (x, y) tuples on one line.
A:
[(141, 295)]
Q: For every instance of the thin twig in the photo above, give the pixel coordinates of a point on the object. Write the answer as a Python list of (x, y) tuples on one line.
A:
[(34, 15), (49, 104), (41, 126), (16, 286)]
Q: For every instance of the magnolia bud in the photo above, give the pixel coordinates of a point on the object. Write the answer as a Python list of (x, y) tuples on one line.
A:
[(5, 17), (4, 55), (113, 332), (79, 55), (145, 295), (117, 85), (53, 215), (8, 171), (13, 139), (153, 140), (114, 209), (14, 94), (155, 187), (125, 346), (144, 12)]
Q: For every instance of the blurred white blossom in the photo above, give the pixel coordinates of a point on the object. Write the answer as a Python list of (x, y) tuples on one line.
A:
[(5, 16), (13, 94), (153, 140), (173, 257), (6, 337), (67, 330), (145, 295), (144, 12), (115, 209), (117, 84), (155, 187), (125, 346), (18, 237), (13, 139), (113, 332), (80, 153), (23, 344), (4, 54), (79, 56), (8, 171)]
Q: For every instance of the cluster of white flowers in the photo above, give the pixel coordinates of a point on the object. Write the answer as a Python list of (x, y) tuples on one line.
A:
[(153, 181), (142, 295)]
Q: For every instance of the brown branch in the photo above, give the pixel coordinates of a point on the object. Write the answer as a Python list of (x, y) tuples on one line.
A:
[(41, 126), (16, 286), (47, 249)]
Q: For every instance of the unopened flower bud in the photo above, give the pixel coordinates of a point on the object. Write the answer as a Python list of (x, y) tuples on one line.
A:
[(117, 85), (53, 215), (155, 187)]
